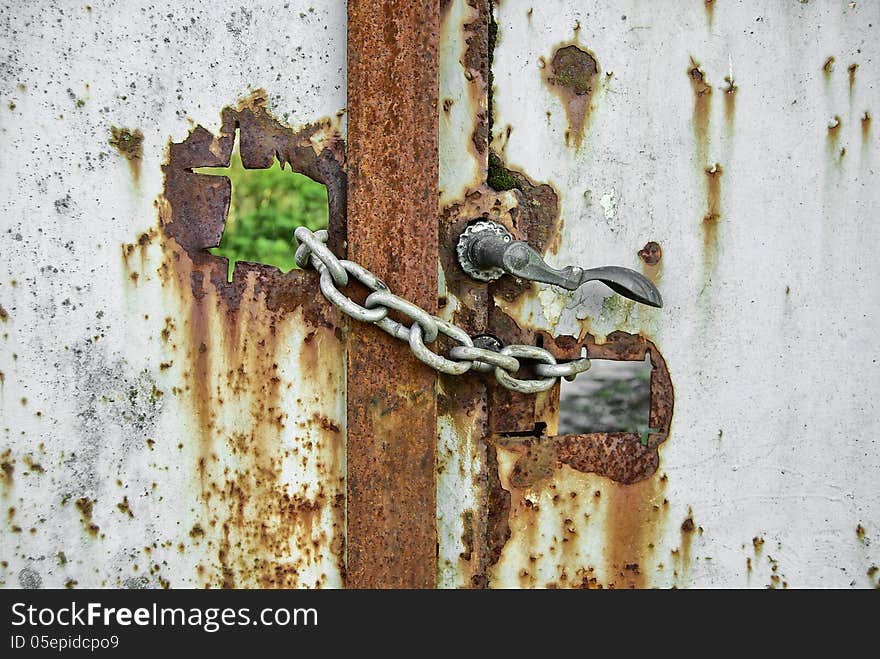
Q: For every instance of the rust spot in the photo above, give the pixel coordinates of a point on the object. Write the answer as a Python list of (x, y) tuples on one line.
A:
[(651, 253), (4, 315), (758, 545), (85, 505), (701, 115), (33, 467), (866, 129), (7, 470), (682, 557), (124, 508), (130, 144), (573, 74), (828, 67), (730, 90), (860, 532), (851, 70)]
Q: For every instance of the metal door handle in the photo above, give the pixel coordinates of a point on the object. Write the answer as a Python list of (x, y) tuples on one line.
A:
[(486, 250)]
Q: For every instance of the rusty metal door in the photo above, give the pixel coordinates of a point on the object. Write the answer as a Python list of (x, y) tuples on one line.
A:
[(727, 151), (165, 425), (167, 422)]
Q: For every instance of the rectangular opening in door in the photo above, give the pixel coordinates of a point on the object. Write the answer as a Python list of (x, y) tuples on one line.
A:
[(613, 396)]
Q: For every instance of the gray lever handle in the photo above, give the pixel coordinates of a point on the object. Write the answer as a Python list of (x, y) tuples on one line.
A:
[(486, 250)]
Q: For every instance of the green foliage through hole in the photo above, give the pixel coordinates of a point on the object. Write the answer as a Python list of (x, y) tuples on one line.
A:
[(267, 206)]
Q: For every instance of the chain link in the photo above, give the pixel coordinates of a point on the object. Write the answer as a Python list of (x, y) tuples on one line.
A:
[(425, 328)]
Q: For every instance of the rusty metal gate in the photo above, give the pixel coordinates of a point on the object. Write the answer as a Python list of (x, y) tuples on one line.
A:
[(164, 425)]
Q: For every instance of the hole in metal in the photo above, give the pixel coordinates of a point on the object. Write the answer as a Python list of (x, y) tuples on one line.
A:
[(613, 396), (266, 208)]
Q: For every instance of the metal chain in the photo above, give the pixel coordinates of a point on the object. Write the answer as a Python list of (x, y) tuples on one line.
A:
[(335, 274)]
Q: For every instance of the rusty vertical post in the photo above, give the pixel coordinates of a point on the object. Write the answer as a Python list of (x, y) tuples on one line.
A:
[(392, 230)]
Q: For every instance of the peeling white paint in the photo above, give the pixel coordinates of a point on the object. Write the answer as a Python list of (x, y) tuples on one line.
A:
[(608, 201)]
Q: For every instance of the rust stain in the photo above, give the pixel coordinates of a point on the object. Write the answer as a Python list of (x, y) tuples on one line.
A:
[(130, 145), (851, 71), (124, 507), (702, 108), (684, 556), (477, 62), (4, 315), (393, 176), (573, 75), (231, 335), (462, 400), (866, 130), (730, 90), (651, 255), (7, 470), (709, 6), (828, 67), (85, 506), (33, 467), (499, 507), (634, 518), (636, 507), (833, 137), (712, 217), (758, 545), (827, 70)]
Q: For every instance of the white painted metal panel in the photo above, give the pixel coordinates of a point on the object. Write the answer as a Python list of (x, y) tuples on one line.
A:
[(112, 475), (770, 314)]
